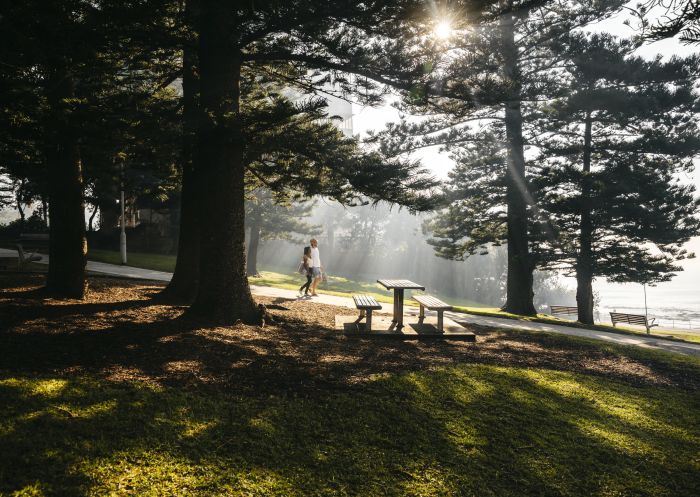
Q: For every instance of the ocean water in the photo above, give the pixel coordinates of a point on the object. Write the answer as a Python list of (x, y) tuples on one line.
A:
[(675, 303)]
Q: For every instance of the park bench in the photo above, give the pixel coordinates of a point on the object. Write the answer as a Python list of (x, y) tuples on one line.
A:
[(366, 304), (635, 319), (563, 309), (28, 244), (433, 304)]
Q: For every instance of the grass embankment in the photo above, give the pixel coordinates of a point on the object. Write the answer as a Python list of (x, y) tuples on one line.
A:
[(548, 319), (119, 395)]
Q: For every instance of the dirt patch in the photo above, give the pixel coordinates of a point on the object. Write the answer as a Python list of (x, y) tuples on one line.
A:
[(122, 333)]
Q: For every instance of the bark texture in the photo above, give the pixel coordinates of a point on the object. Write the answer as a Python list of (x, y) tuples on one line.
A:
[(68, 245), (253, 244), (223, 293), (584, 259), (185, 281), (519, 293)]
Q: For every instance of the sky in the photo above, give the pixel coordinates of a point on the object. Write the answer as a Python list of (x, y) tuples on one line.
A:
[(678, 298)]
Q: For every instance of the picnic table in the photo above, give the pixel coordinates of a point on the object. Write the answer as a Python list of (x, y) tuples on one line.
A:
[(398, 286)]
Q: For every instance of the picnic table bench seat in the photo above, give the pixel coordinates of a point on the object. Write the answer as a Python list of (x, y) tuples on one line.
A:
[(28, 244), (563, 309), (634, 319), (433, 304), (366, 304)]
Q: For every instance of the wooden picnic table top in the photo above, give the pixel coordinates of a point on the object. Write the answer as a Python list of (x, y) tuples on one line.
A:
[(400, 285)]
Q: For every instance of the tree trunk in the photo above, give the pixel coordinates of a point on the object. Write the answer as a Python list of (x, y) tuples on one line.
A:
[(584, 259), (20, 210), (68, 246), (92, 218), (223, 292), (185, 281), (45, 209), (109, 214), (519, 293), (255, 227)]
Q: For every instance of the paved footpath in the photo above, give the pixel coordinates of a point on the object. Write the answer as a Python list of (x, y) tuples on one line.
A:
[(685, 348)]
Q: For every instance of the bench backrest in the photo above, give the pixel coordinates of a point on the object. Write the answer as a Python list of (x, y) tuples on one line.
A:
[(33, 237), (619, 317), (33, 240), (563, 309)]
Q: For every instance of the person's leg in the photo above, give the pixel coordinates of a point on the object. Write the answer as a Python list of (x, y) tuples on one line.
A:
[(317, 279), (306, 285)]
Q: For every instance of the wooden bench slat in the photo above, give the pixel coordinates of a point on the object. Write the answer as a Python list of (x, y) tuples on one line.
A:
[(562, 309), (366, 302), (636, 319), (431, 302)]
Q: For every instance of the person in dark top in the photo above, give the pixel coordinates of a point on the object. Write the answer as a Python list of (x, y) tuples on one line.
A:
[(306, 265)]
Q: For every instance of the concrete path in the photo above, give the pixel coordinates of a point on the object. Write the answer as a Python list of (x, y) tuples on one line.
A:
[(618, 338)]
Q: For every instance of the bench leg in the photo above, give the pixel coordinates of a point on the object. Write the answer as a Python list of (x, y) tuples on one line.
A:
[(421, 316), (368, 326), (439, 323), (399, 303)]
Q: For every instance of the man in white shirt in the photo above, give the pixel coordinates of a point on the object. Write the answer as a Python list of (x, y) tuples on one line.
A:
[(316, 267)]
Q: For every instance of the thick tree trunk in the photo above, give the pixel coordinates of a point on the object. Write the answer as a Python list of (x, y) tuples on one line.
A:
[(185, 281), (223, 292), (253, 244), (584, 259), (519, 293), (68, 246)]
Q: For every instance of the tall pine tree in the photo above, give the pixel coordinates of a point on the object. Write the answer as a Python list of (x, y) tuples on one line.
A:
[(496, 69), (611, 152)]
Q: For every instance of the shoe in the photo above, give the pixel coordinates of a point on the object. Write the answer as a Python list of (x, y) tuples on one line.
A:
[(314, 294)]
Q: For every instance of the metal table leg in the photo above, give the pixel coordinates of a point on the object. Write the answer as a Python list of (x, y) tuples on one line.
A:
[(399, 317)]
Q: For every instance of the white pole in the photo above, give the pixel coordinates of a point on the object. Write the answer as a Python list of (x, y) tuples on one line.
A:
[(122, 235), (646, 311)]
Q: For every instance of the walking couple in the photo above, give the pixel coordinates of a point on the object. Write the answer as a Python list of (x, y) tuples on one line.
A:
[(312, 268)]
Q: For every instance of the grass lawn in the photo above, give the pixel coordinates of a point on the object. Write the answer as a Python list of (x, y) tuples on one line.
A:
[(157, 262), (122, 395), (336, 285), (549, 319), (339, 286)]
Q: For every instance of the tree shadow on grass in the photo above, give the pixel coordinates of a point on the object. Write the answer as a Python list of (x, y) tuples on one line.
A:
[(131, 395), (465, 430)]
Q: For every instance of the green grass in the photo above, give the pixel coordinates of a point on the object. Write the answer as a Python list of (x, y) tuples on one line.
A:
[(336, 285), (548, 319), (460, 430), (341, 287), (157, 262)]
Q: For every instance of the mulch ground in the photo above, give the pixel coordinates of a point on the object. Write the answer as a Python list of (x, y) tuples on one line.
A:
[(123, 333)]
